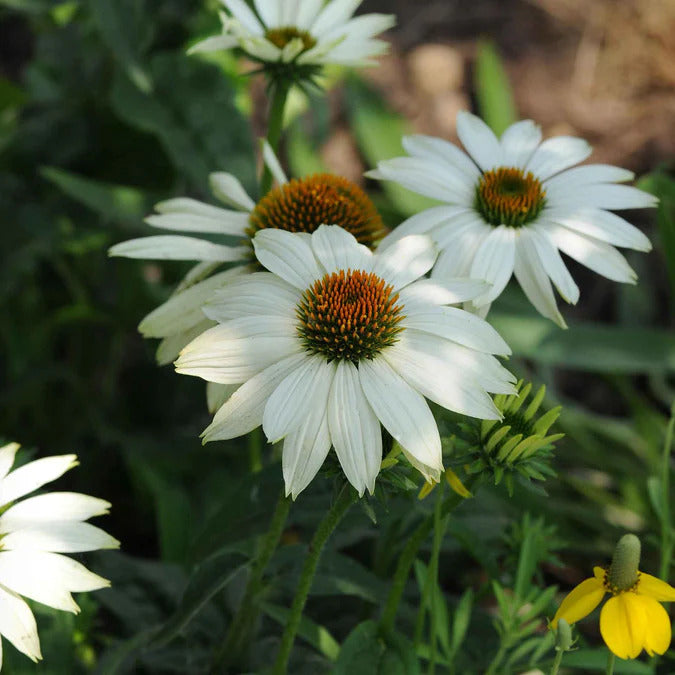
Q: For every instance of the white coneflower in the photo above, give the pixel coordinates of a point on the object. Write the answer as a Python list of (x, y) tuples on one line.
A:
[(295, 38), (514, 203), (335, 340), (298, 205), (34, 532)]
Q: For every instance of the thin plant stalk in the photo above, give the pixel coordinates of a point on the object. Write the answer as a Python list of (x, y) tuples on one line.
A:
[(666, 528), (325, 528), (556, 662), (232, 647), (610, 664), (440, 525), (280, 91)]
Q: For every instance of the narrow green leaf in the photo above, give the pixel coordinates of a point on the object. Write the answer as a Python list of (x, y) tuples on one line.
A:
[(495, 97)]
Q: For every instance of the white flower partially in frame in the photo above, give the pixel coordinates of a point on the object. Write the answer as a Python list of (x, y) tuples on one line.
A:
[(334, 341), (513, 204), (34, 533), (304, 34)]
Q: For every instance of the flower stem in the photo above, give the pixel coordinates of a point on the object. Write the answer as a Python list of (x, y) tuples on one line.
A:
[(610, 664), (440, 525), (275, 125), (556, 662), (232, 647), (325, 528), (666, 529)]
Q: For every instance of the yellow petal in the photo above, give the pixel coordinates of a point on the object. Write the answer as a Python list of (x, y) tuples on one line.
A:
[(456, 484), (580, 601), (623, 624), (655, 588), (599, 573), (657, 637)]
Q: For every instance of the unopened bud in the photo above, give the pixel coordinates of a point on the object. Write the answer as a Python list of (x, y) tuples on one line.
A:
[(624, 570)]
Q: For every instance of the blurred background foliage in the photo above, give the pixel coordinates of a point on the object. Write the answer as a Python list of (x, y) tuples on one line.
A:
[(101, 115)]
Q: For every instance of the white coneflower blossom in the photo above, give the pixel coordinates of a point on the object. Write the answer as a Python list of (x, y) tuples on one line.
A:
[(300, 33), (335, 340), (34, 532), (298, 205), (513, 204)]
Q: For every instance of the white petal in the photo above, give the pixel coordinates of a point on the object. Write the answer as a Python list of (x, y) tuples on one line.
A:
[(493, 262), (17, 624), (602, 225), (422, 223), (218, 394), (479, 141), (437, 148), (170, 347), (307, 13), (257, 294), (59, 537), (269, 11), (189, 215), (243, 411), (7, 454), (518, 143), (439, 379), (354, 429), (534, 281), (184, 310), (176, 247), (581, 176), (297, 394), (48, 578), (287, 255), (459, 242), (554, 265), (273, 164), (33, 475), (243, 13), (52, 506), (405, 260), (333, 14), (403, 412), (229, 190), (556, 154), (304, 451), (213, 44), (336, 249), (457, 325), (608, 197), (596, 255), (420, 294)]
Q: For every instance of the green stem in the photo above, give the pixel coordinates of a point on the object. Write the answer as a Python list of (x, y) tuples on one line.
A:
[(274, 128), (610, 664), (497, 661), (323, 531), (666, 528), (556, 662), (440, 525), (255, 445), (232, 647)]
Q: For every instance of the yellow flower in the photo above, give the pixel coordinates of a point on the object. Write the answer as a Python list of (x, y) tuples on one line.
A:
[(632, 619)]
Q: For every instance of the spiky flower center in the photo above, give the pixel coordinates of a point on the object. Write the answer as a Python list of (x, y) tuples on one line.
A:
[(508, 196), (350, 315), (280, 37), (302, 205)]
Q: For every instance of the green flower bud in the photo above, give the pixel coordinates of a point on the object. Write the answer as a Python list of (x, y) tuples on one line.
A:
[(623, 573)]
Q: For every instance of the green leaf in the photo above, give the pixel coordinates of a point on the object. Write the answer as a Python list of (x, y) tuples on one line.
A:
[(112, 202), (596, 660), (441, 621), (495, 97), (365, 652), (460, 620), (317, 636)]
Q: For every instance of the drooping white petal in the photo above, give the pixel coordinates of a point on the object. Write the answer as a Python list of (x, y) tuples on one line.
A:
[(403, 412), (233, 223), (553, 264), (7, 454), (439, 149), (272, 163), (17, 624), (333, 14), (33, 475), (257, 294), (229, 190), (405, 260), (215, 43), (479, 141), (493, 262), (66, 536), (596, 255), (218, 394), (457, 325), (184, 310), (459, 241), (305, 450), (435, 378), (557, 154), (243, 13), (298, 392), (177, 247), (243, 410), (602, 225), (450, 291), (336, 249), (604, 196), (52, 506), (171, 346), (565, 183), (422, 223), (354, 429), (288, 256), (519, 142), (534, 281)]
